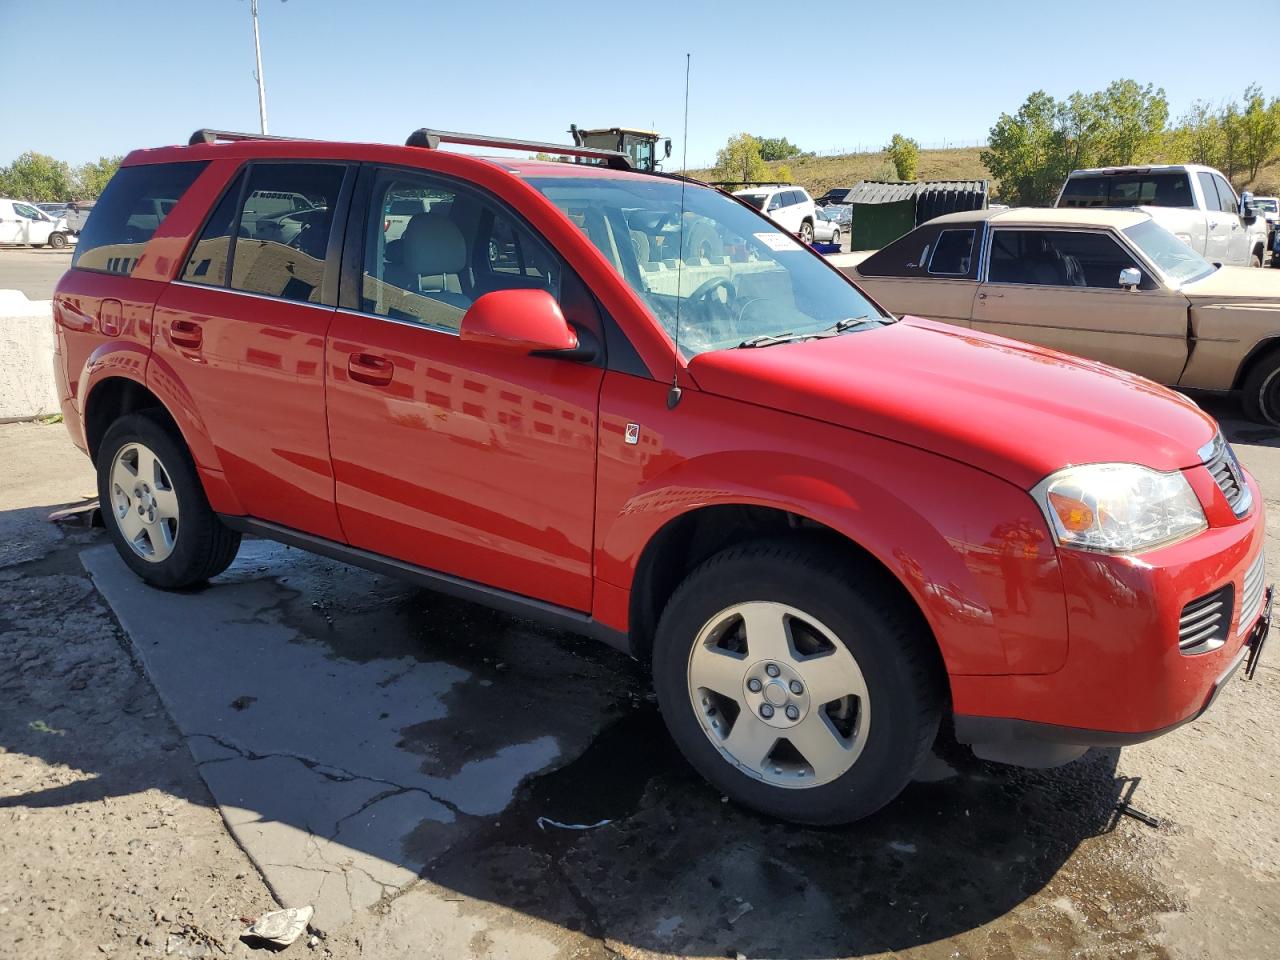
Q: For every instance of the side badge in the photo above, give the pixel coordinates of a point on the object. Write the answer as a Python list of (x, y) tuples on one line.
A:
[(633, 433)]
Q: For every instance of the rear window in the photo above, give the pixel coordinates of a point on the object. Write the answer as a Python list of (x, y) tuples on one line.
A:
[(1128, 190), (755, 199), (129, 212)]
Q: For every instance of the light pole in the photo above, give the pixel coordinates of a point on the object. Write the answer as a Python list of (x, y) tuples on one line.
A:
[(257, 53)]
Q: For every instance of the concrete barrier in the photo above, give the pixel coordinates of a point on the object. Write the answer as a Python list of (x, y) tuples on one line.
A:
[(26, 358)]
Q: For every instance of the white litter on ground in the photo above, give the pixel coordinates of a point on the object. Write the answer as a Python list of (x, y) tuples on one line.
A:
[(281, 926)]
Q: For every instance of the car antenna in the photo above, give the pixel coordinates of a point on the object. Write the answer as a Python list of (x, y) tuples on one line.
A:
[(673, 396)]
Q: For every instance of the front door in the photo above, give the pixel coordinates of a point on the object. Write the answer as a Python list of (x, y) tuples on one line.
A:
[(449, 455), (1060, 289), (1218, 222)]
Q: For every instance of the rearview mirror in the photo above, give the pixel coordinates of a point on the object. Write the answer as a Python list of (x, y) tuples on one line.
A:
[(519, 321), (1130, 277)]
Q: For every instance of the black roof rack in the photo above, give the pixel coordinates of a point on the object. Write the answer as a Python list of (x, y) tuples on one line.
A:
[(431, 140), (206, 135), (750, 183)]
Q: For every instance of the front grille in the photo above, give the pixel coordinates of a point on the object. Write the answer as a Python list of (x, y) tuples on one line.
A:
[(1255, 581), (1205, 622), (1220, 461)]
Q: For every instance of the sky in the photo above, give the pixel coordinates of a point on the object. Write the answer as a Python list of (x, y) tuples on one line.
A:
[(831, 77)]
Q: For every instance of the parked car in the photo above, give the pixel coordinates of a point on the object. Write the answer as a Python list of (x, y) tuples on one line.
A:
[(1111, 285), (55, 211), (1196, 204), (834, 195), (827, 224), (788, 206), (78, 214), (27, 225), (823, 528), (1269, 209)]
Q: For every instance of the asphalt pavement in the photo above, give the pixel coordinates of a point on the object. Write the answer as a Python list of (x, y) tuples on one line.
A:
[(33, 271)]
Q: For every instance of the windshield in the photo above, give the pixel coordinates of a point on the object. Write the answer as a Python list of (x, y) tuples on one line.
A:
[(732, 274), (1174, 258), (1267, 204)]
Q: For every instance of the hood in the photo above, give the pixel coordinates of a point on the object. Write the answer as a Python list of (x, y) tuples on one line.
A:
[(1014, 410), (1237, 284)]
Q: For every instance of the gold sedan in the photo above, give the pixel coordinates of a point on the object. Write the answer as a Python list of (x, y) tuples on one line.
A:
[(1111, 285)]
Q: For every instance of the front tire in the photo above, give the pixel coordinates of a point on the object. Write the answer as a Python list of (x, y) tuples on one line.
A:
[(154, 506), (1255, 259), (835, 236), (58, 241), (798, 684)]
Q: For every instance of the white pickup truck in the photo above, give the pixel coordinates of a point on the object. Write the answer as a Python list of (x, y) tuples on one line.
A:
[(1196, 204)]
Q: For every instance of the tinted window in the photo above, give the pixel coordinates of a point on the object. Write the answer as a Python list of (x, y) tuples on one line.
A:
[(455, 249), (1059, 258), (794, 197), (280, 248), (128, 213), (905, 257), (31, 213), (1210, 189), (1226, 196), (208, 261), (1128, 190), (755, 199), (953, 253)]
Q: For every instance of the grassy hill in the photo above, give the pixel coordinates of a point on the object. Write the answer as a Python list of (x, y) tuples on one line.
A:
[(820, 174)]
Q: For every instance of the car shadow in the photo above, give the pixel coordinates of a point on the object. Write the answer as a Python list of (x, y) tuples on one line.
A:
[(617, 838)]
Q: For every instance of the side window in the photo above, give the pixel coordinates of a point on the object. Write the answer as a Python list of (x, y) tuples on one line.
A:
[(208, 261), (1226, 196), (129, 212), (31, 213), (1057, 258), (908, 256), (428, 267), (1210, 191), (279, 250), (952, 254), (775, 202)]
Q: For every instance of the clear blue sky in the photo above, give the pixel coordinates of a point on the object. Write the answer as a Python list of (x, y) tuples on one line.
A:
[(127, 73)]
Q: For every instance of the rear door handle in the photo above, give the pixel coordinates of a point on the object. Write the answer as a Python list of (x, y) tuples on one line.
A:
[(370, 368), (993, 296), (186, 333)]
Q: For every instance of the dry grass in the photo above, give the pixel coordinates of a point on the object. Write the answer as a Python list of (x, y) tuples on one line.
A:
[(820, 174)]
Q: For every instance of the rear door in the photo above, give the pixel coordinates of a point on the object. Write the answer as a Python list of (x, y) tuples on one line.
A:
[(1060, 289), (242, 329), (450, 455), (1238, 245), (931, 272)]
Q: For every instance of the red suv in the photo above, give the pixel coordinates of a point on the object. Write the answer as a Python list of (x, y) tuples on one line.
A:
[(627, 404)]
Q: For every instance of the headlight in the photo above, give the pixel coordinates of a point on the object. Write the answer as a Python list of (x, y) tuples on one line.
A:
[(1118, 507)]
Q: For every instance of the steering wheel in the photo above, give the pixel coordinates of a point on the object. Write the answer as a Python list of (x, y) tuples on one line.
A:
[(703, 292)]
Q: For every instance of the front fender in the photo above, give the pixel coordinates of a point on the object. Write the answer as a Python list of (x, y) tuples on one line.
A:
[(972, 551)]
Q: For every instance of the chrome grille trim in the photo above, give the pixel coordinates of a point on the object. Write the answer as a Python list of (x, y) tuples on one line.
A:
[(1205, 622), (1254, 586), (1220, 460)]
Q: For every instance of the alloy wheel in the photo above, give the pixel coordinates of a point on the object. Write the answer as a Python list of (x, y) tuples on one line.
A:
[(778, 694), (144, 502)]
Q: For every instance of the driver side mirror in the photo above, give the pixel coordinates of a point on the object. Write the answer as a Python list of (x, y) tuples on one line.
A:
[(1247, 212), (520, 322), (667, 147), (1130, 277)]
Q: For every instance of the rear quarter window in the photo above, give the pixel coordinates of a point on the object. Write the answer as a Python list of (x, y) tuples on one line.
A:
[(129, 212), (908, 256)]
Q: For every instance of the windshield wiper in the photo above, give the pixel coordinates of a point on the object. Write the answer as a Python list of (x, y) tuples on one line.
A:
[(848, 323), (769, 339)]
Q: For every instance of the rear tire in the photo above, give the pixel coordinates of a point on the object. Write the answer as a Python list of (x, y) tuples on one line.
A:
[(154, 506), (837, 681), (1260, 393), (806, 232)]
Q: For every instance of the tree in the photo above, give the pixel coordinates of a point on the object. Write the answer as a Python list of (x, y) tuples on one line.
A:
[(1131, 125), (1259, 129), (1029, 153), (91, 178), (782, 173), (777, 148), (35, 176), (740, 159), (904, 153), (1198, 137)]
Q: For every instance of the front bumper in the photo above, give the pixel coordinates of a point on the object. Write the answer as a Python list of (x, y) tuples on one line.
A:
[(1125, 679)]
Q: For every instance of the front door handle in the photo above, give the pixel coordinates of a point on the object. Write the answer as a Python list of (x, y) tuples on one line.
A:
[(370, 368), (186, 333), (994, 296)]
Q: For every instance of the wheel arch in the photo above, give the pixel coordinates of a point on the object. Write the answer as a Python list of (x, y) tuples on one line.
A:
[(1260, 352)]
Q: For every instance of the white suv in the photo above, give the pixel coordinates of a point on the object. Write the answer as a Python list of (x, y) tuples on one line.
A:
[(790, 207)]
